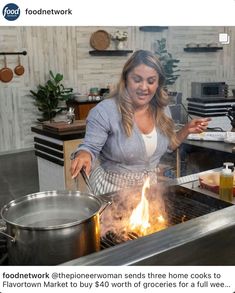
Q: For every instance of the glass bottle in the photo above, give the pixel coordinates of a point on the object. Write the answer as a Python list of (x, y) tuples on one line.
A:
[(226, 184), (70, 115)]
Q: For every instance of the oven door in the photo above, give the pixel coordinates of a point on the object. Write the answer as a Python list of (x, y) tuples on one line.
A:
[(209, 90)]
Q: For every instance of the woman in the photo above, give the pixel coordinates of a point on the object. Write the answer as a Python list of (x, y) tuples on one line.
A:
[(131, 131)]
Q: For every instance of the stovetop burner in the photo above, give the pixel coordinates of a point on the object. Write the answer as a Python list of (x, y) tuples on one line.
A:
[(203, 224), (111, 239), (181, 205)]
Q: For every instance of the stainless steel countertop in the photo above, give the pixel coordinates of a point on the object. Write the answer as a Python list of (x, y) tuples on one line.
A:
[(213, 145), (207, 240), (192, 182)]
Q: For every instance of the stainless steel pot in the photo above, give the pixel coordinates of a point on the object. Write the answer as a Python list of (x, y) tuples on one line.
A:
[(49, 228)]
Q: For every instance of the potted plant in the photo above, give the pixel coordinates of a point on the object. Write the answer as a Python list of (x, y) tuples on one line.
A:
[(119, 37), (51, 98), (169, 63), (170, 66)]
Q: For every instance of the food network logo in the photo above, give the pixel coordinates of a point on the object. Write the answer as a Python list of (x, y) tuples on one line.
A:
[(11, 11)]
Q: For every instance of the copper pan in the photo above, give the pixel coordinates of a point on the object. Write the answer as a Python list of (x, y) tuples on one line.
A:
[(6, 74), (19, 69)]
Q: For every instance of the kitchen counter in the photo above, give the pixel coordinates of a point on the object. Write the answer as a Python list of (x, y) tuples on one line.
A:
[(192, 182), (68, 135), (53, 150), (212, 145)]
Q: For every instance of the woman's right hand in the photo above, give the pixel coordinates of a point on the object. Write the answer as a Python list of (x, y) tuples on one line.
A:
[(82, 160)]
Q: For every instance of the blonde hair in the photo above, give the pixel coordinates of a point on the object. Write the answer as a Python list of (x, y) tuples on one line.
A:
[(159, 101)]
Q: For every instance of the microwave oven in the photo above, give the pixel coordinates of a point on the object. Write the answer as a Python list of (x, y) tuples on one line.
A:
[(209, 90)]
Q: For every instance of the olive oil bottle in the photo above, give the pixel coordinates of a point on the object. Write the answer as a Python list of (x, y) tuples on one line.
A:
[(226, 183)]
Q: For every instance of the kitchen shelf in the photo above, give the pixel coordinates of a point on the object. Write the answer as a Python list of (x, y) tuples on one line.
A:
[(203, 49), (110, 52), (152, 28), (13, 53)]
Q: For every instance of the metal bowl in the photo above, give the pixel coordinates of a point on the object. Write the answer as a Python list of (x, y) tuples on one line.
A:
[(80, 98)]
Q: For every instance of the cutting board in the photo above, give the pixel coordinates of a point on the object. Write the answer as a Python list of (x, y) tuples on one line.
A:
[(62, 126)]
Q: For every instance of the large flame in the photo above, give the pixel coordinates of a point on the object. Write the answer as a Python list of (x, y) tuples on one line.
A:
[(139, 219)]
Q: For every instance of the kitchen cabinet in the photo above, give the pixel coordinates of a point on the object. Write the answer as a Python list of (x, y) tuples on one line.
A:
[(53, 150), (81, 109)]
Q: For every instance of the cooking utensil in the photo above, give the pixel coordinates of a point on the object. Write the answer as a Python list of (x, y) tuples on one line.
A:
[(49, 228), (6, 74), (87, 181), (19, 69), (108, 197)]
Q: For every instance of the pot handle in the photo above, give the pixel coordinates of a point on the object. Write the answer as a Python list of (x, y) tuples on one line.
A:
[(3, 228), (104, 206)]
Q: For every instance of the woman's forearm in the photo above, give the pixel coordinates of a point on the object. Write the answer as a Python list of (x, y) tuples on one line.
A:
[(182, 134), (193, 126)]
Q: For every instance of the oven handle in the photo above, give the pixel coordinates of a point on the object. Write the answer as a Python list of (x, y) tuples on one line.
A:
[(2, 231), (104, 206)]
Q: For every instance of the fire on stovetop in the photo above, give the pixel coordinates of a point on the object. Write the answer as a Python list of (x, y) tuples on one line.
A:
[(138, 211)]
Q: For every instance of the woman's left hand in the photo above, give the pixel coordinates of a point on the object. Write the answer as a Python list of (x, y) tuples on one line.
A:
[(194, 126), (198, 125)]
